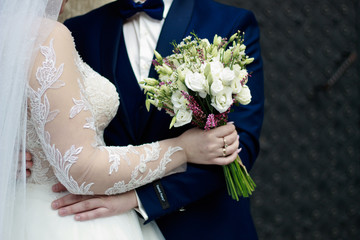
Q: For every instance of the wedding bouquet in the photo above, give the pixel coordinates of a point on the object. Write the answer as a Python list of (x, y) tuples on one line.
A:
[(198, 84)]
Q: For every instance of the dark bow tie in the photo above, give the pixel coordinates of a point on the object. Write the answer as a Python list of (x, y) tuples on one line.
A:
[(153, 8)]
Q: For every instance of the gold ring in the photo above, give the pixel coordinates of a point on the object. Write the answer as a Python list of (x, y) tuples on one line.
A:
[(225, 144), (224, 151)]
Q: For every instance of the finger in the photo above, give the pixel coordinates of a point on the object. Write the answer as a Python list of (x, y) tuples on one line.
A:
[(68, 200), (228, 150), (232, 148), (93, 214), (226, 160), (29, 164), (28, 156), (223, 130), (58, 187), (79, 207), (230, 139)]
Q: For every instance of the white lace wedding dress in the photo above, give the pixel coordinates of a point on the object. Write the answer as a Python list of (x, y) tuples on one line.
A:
[(69, 107)]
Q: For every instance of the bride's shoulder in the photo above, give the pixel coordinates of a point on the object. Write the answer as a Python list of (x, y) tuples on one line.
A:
[(60, 31), (61, 38)]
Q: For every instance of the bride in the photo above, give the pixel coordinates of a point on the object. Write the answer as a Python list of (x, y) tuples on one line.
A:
[(57, 107)]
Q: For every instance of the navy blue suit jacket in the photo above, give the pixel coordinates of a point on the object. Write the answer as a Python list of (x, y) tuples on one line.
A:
[(207, 212)]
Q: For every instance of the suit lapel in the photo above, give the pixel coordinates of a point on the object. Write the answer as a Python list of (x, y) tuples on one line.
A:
[(174, 27)]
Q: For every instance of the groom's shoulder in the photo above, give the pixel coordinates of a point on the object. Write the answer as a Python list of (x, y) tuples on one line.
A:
[(221, 8), (224, 11)]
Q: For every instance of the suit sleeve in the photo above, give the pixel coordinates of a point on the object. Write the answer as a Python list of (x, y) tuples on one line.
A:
[(178, 190)]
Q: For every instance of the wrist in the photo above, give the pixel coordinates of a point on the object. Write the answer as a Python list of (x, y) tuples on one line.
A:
[(133, 199), (183, 154)]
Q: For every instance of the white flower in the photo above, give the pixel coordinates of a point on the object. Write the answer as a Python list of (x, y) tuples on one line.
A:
[(227, 76), (216, 87), (244, 96), (205, 43), (243, 76), (216, 67), (236, 86), (223, 100), (178, 100), (183, 117), (217, 40), (197, 83)]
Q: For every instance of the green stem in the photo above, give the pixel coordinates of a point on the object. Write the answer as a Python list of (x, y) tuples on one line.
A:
[(238, 181)]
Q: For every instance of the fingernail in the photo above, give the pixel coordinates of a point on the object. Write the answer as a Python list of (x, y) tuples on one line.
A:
[(238, 137), (54, 205), (239, 150), (77, 217), (231, 122), (62, 212), (54, 188)]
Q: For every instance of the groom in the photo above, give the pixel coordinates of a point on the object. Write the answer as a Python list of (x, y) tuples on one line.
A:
[(117, 40)]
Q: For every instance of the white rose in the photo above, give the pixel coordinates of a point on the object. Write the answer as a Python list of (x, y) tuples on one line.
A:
[(183, 117), (227, 76), (216, 87), (178, 100), (216, 67), (236, 86), (244, 96), (242, 74), (223, 100), (197, 83)]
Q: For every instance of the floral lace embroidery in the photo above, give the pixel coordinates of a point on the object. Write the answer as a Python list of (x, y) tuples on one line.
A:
[(48, 77), (79, 106), (119, 153), (136, 180)]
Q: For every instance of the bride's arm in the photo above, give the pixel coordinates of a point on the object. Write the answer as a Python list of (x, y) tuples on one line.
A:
[(65, 125)]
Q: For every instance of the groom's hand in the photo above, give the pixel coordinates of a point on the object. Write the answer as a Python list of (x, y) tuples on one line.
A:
[(90, 207)]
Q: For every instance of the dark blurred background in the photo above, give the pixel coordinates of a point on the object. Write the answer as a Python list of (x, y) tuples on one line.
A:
[(307, 173)]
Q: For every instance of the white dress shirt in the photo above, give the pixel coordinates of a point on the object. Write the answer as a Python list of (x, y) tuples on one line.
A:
[(141, 34)]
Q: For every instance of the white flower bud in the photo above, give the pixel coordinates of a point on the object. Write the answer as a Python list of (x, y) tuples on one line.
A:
[(158, 56), (217, 40), (232, 38), (227, 56), (249, 60)]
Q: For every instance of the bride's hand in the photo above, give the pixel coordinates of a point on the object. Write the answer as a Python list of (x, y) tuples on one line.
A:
[(216, 146)]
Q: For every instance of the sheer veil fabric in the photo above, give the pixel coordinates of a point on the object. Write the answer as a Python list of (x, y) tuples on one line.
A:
[(24, 25)]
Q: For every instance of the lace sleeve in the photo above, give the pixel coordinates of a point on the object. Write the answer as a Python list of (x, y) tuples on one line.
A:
[(64, 123)]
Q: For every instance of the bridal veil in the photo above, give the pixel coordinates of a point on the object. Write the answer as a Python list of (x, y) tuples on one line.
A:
[(24, 25)]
